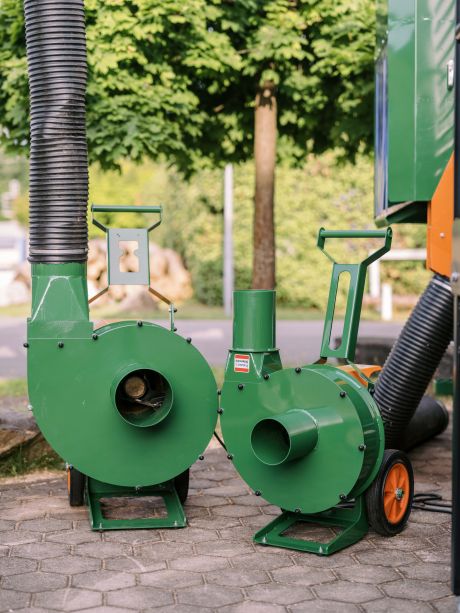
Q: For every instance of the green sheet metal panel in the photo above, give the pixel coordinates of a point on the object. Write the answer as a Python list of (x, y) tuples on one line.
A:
[(414, 104)]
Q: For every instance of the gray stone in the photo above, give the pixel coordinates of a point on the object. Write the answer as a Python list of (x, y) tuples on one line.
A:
[(446, 605), (104, 580), (416, 590), (345, 591), (225, 549), (134, 564), (74, 537), (236, 510), (249, 606), (237, 577), (325, 606), (198, 563), (70, 565), (70, 599), (391, 558), (210, 596), (163, 551), (45, 525), (18, 537), (260, 561), (427, 571), (139, 597), (103, 550), (10, 600), (274, 593), (299, 575), (396, 605), (170, 579), (34, 582), (15, 566), (368, 574), (40, 551)]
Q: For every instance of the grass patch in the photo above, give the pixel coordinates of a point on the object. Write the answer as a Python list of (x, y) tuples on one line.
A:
[(13, 388), (20, 463)]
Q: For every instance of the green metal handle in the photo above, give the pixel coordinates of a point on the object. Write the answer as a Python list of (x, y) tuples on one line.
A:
[(124, 208), (109, 208), (385, 234), (357, 279)]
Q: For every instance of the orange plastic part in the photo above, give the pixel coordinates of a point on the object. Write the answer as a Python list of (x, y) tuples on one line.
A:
[(367, 369), (68, 480), (396, 494), (439, 224)]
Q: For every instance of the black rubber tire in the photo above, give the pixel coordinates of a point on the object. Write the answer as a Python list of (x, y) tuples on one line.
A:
[(182, 483), (375, 495), (76, 482)]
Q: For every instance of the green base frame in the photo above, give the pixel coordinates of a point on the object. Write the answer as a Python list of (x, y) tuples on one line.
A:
[(351, 520), (96, 490)]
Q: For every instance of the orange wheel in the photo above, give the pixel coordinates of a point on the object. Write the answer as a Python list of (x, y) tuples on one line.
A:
[(396, 493), (389, 499)]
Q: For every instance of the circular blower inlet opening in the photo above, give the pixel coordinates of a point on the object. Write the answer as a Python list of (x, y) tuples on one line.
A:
[(271, 442), (143, 397)]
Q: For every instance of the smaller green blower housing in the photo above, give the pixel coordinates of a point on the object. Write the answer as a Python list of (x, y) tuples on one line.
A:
[(309, 440)]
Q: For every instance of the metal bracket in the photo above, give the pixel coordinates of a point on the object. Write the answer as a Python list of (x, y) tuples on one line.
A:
[(350, 519), (115, 236), (357, 273), (96, 491)]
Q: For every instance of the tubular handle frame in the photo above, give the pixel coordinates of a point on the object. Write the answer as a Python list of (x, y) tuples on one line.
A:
[(357, 272), (109, 208)]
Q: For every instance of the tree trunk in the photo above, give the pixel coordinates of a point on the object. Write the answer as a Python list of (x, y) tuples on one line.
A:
[(263, 272)]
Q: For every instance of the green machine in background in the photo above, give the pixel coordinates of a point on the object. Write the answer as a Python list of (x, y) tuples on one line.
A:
[(130, 406), (310, 440), (414, 105)]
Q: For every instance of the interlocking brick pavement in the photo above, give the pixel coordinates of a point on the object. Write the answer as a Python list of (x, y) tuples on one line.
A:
[(51, 561)]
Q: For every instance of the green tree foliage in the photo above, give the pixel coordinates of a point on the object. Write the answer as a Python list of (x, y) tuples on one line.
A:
[(322, 193), (179, 77)]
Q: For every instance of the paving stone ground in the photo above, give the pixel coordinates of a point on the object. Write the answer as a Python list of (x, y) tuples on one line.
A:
[(51, 561)]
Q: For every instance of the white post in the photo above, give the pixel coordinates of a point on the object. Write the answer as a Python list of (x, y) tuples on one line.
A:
[(374, 279), (386, 307), (228, 239)]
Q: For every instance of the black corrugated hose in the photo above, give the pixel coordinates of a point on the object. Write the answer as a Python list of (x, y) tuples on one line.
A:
[(56, 57), (413, 360)]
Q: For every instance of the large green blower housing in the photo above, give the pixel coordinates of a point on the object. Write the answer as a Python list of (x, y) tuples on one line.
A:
[(414, 105)]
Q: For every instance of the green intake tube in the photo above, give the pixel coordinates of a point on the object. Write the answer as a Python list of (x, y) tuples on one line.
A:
[(254, 320), (286, 437)]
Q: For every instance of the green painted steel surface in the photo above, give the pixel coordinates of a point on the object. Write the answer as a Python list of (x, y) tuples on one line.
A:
[(415, 42), (350, 435), (284, 438), (352, 523), (254, 320), (73, 372), (70, 391)]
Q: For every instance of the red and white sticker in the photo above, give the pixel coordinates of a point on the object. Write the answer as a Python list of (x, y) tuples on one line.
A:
[(241, 363)]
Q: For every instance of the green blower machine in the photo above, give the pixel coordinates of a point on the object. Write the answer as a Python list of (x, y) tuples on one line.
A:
[(129, 406), (310, 440)]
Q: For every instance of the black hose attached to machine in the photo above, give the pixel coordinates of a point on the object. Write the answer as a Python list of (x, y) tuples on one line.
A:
[(56, 57), (410, 367)]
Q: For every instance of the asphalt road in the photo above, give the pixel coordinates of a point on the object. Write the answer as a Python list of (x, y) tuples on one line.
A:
[(299, 341)]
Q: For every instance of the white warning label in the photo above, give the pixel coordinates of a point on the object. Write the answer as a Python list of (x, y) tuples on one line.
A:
[(241, 363)]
